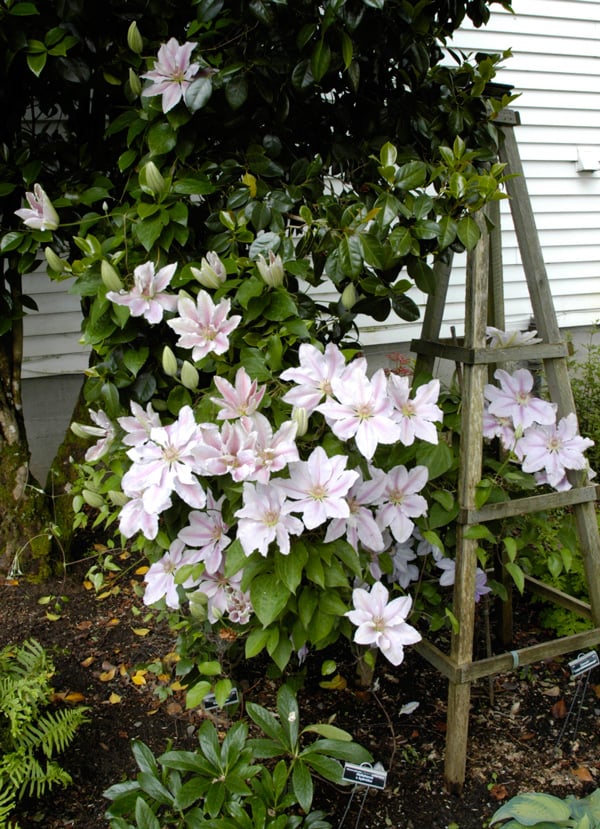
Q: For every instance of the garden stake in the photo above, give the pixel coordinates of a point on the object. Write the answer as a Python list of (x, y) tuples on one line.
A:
[(580, 667)]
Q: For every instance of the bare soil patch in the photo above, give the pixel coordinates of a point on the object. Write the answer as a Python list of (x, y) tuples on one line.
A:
[(100, 646)]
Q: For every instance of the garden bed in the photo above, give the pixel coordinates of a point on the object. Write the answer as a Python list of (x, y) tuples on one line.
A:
[(101, 649)]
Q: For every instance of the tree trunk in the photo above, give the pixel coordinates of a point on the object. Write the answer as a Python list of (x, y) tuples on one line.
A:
[(25, 541)]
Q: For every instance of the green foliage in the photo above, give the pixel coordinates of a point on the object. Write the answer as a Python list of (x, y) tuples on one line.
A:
[(222, 786), (544, 811), (31, 735), (585, 383)]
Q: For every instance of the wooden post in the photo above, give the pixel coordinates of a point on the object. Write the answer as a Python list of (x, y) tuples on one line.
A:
[(470, 461)]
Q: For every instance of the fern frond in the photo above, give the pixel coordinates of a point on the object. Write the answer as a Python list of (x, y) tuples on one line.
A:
[(7, 805), (53, 731)]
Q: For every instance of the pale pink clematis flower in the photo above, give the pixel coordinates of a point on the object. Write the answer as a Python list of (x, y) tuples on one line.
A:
[(203, 326), (160, 578), (206, 533), (400, 501), (172, 73), (506, 339), (40, 215), (167, 463), (134, 518), (448, 566), (553, 450), (499, 427), (404, 572), (139, 426), (273, 452), (229, 451), (265, 517), (147, 298), (514, 399), (361, 409), (104, 430), (239, 400), (225, 597), (313, 376), (382, 623), (416, 417), (360, 526), (319, 486)]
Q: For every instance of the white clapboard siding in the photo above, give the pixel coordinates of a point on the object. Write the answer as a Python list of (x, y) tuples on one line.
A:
[(555, 66)]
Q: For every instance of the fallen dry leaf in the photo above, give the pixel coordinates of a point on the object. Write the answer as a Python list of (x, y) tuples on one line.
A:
[(83, 625), (582, 773), (114, 699), (141, 631), (106, 676), (87, 662), (114, 621), (499, 791), (559, 710)]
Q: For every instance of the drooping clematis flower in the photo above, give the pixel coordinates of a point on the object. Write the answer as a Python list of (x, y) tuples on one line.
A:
[(271, 271), (227, 451), (361, 409), (206, 533), (416, 417), (499, 427), (506, 339), (225, 597), (400, 501), (515, 399), (203, 326), (148, 298), (553, 450), (273, 452), (313, 376), (265, 517), (319, 486), (360, 526), (40, 215), (134, 517), (172, 73), (104, 430), (404, 572), (382, 623), (160, 578), (448, 577), (239, 400)]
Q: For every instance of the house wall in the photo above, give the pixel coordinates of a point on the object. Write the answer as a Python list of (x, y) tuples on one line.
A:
[(556, 69)]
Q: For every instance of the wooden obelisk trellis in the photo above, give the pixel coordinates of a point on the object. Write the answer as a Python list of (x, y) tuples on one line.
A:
[(484, 305)]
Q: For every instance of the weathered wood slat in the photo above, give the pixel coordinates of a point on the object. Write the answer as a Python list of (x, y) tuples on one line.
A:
[(534, 503), (485, 356)]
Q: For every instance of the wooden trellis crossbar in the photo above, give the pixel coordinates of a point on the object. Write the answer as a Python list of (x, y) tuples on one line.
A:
[(484, 304)]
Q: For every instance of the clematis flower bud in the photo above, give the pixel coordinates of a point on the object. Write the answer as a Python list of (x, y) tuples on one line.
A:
[(272, 273), (151, 176), (212, 272), (300, 418), (189, 376), (110, 277), (134, 82), (349, 296), (135, 40), (93, 499), (54, 261), (169, 362)]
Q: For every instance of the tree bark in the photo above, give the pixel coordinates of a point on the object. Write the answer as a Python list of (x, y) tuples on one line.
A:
[(25, 541)]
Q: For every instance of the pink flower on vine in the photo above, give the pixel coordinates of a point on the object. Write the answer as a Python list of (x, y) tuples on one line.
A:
[(554, 450), (206, 533), (515, 399), (382, 623), (203, 326), (40, 215), (172, 73), (400, 502), (313, 376), (238, 400), (147, 298), (265, 517), (417, 416)]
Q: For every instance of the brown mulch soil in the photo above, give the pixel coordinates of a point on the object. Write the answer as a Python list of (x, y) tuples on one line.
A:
[(101, 647)]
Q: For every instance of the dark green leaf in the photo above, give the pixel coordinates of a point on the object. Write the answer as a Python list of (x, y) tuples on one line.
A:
[(269, 597), (197, 94), (320, 60), (302, 785), (161, 138), (468, 232)]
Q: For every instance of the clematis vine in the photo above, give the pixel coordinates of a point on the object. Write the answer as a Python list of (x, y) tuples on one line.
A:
[(40, 215)]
